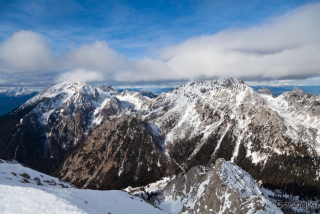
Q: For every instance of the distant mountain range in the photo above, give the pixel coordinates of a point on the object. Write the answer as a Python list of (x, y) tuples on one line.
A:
[(16, 92), (12, 97), (278, 90)]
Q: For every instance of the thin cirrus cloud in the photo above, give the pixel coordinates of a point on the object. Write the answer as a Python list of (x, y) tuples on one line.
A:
[(286, 47)]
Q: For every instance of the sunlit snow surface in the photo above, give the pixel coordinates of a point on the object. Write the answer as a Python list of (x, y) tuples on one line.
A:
[(18, 197)]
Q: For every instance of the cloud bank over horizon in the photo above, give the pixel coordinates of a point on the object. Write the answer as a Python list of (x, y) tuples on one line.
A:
[(286, 47)]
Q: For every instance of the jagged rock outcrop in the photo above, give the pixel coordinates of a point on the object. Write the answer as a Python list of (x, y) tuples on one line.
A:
[(223, 188)]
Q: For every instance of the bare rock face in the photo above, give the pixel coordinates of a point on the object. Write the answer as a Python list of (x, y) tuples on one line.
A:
[(223, 188), (118, 153)]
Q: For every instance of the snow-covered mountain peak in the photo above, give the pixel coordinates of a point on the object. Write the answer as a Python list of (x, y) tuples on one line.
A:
[(300, 114), (298, 91), (67, 88), (199, 106), (15, 91), (230, 83), (61, 93)]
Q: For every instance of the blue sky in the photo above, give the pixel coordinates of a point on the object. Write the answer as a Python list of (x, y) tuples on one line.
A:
[(140, 35)]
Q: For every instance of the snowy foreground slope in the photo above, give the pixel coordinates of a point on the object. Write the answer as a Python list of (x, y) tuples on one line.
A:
[(20, 193)]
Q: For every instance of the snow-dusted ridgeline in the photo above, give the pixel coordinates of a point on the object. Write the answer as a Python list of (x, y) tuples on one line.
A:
[(216, 107)]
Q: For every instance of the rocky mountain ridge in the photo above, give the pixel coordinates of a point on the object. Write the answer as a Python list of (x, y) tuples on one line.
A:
[(74, 130)]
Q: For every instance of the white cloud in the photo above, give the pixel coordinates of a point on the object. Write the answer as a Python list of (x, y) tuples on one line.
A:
[(81, 75), (146, 69), (286, 47), (95, 56), (25, 51)]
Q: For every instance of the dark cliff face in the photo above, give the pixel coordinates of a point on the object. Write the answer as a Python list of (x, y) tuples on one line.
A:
[(117, 154)]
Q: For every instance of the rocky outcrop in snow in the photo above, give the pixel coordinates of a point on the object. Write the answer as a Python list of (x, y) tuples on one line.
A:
[(223, 188)]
